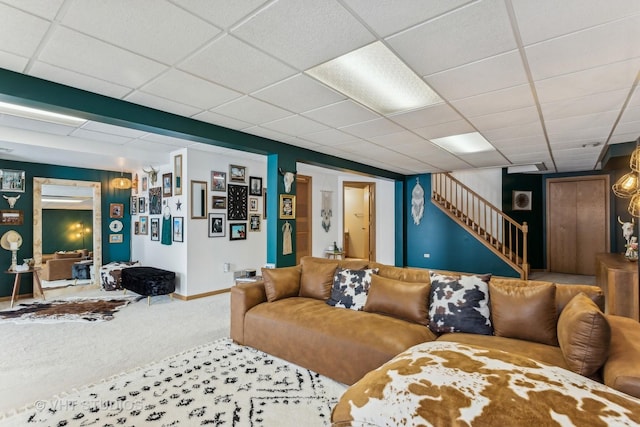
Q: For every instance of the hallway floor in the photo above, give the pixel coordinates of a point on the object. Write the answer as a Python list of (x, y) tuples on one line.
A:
[(562, 278)]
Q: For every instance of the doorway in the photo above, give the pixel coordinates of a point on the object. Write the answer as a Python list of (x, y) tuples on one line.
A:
[(359, 219), (303, 216), (577, 223)]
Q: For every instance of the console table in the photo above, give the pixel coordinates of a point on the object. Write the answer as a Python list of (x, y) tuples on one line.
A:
[(16, 283), (618, 279)]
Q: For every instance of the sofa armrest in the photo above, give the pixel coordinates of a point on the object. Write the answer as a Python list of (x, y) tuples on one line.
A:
[(622, 368), (244, 296)]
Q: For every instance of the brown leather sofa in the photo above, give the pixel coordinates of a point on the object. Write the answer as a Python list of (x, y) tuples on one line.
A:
[(58, 266), (287, 316)]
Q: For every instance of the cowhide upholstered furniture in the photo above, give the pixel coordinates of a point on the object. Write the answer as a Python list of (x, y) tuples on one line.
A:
[(289, 314), (111, 274)]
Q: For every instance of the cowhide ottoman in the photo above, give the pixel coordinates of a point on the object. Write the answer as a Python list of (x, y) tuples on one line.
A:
[(149, 281)]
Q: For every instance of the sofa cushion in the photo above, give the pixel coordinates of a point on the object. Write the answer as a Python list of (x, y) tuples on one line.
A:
[(565, 292), (403, 300), (460, 304), (584, 335), (526, 312), (622, 369), (317, 278), (404, 274), (281, 282), (65, 255), (350, 288)]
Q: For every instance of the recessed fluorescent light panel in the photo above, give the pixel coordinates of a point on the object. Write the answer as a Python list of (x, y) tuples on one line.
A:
[(37, 114), (375, 77), (466, 143)]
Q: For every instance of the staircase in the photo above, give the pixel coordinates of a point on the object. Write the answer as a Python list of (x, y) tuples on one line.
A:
[(497, 231)]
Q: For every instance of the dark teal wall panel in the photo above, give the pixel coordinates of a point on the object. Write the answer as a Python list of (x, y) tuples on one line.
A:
[(63, 229)]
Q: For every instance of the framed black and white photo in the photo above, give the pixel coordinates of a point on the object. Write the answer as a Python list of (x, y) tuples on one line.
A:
[(217, 225), (238, 231), (237, 173), (521, 200), (177, 228), (253, 204), (155, 229), (218, 181), (254, 222), (255, 186), (287, 206), (142, 205), (218, 202), (12, 180), (134, 205)]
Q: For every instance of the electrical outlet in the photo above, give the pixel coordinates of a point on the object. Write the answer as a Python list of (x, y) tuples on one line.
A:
[(427, 255)]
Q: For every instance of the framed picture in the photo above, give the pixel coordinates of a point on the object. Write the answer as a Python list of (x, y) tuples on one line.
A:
[(218, 202), (134, 205), (264, 203), (217, 225), (136, 227), (155, 201), (237, 173), (12, 180), (116, 210), (167, 182), (115, 238), (254, 222), (253, 204), (155, 229), (177, 174), (11, 217), (237, 202), (238, 231), (218, 181), (255, 186), (177, 228), (521, 200), (287, 206), (142, 205), (145, 181), (144, 225)]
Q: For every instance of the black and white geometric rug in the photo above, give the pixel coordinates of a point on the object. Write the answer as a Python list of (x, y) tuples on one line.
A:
[(220, 384)]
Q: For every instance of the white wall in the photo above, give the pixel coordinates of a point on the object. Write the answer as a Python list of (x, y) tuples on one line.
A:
[(486, 182)]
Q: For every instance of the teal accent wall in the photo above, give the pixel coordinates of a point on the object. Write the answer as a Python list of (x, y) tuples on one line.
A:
[(449, 245), (63, 229), (110, 252)]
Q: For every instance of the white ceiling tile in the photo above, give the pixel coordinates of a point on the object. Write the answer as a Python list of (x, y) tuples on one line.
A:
[(330, 137), (34, 125), (244, 68), (619, 138), (14, 38), (535, 143), (591, 104), (166, 140), (435, 114), (220, 120), (71, 50), (298, 94), (134, 26), (457, 127), (114, 130), (393, 140), (82, 81), (295, 125), (326, 26), (156, 146), (47, 9), (341, 114), (251, 110), (631, 114), (300, 142), (222, 13), (504, 119), (266, 133), (585, 49), (545, 19), (582, 122), (529, 130), (187, 89), (372, 128), (629, 128), (485, 159), (390, 17), (586, 135), (495, 102), (494, 73), (100, 136), (468, 34), (162, 104), (13, 62)]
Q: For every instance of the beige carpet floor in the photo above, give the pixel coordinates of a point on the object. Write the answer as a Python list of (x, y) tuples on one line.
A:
[(38, 361)]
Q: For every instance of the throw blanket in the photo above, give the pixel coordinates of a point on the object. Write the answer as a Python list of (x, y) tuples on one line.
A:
[(446, 384)]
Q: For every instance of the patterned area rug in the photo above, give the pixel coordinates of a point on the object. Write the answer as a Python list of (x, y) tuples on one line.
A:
[(69, 310), (220, 384)]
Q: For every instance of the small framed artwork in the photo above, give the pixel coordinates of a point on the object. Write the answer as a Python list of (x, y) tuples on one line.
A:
[(264, 203), (255, 186), (142, 205), (167, 182), (155, 229), (115, 238), (218, 181), (116, 210), (177, 228), (12, 180), (155, 201), (238, 231), (145, 183), (218, 202), (216, 225), (11, 217), (144, 225), (237, 173), (177, 175), (136, 227), (254, 222), (253, 204), (521, 200), (287, 206), (134, 205)]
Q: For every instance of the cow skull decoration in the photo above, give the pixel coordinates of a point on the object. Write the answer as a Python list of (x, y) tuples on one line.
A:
[(288, 178), (11, 200), (153, 174), (627, 229)]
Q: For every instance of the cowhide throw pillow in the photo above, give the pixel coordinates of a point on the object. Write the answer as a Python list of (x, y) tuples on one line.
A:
[(350, 288), (460, 304)]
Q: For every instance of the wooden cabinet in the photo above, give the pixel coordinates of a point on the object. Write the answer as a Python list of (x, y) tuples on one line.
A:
[(618, 279)]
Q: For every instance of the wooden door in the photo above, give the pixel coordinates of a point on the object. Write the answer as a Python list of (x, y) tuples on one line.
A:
[(359, 220), (577, 223), (303, 216)]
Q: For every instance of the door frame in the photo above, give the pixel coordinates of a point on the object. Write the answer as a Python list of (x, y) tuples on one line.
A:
[(371, 188), (309, 218)]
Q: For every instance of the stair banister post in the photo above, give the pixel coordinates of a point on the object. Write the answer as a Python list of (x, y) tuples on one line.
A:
[(525, 262)]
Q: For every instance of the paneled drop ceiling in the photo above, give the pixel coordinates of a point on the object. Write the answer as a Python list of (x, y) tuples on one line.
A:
[(543, 81)]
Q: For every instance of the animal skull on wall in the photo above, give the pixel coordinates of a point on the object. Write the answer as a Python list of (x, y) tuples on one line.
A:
[(153, 174), (12, 200), (627, 229), (288, 178)]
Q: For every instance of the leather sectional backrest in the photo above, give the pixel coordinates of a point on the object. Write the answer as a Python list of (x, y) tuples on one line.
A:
[(317, 275), (413, 275)]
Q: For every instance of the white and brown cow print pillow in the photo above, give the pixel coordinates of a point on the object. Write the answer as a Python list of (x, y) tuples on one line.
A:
[(460, 304), (350, 288)]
